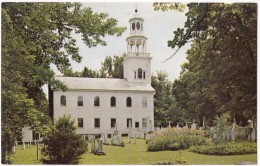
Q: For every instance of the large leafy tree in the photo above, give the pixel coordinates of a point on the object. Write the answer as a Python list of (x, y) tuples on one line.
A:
[(35, 36), (165, 108), (221, 73)]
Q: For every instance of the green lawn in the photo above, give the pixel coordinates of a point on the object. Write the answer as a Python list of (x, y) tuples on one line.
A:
[(137, 154)]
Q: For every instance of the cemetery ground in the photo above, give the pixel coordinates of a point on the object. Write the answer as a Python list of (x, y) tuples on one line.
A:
[(136, 154)]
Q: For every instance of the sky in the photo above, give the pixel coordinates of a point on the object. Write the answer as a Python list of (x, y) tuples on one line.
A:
[(158, 28)]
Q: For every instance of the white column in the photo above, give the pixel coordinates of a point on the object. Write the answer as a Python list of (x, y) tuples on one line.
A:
[(135, 46), (145, 47)]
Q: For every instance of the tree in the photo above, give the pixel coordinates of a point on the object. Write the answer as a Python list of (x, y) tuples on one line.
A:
[(113, 66), (62, 145), (164, 103), (34, 36), (220, 76)]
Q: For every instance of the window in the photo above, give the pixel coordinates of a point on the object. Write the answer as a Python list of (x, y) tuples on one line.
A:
[(135, 75), (80, 122), (144, 102), (144, 122), (113, 101), (80, 101), (63, 100), (113, 123), (136, 124), (96, 101), (133, 26), (97, 123), (128, 122), (128, 102), (144, 75), (138, 25), (139, 71)]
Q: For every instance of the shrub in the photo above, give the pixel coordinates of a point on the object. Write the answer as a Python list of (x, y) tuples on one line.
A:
[(176, 162), (62, 145), (175, 139), (230, 148)]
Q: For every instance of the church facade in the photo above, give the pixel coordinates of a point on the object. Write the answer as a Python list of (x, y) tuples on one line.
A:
[(103, 105)]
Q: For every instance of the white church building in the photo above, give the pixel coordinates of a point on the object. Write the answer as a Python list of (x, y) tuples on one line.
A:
[(102, 105)]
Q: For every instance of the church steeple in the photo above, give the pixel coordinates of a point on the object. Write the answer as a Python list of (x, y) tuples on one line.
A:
[(136, 42), (137, 62)]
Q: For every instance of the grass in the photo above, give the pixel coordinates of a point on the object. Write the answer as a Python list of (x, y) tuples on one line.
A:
[(137, 154)]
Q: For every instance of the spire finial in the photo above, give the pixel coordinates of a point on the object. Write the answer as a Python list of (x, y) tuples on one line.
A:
[(136, 8)]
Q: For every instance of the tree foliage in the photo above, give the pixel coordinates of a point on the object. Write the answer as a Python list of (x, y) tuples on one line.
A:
[(34, 36), (165, 108), (220, 75), (111, 67), (165, 6), (63, 145)]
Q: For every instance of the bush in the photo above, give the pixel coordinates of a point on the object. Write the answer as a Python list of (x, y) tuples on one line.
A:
[(175, 139), (176, 162), (62, 145), (230, 148)]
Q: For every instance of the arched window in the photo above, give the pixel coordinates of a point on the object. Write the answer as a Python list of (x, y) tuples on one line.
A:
[(140, 72), (80, 101), (63, 100), (113, 101), (138, 25), (96, 101), (133, 26), (144, 102), (128, 102)]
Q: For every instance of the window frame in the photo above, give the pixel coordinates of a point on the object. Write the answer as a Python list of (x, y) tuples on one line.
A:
[(96, 101), (95, 123), (144, 121), (137, 125), (113, 101), (79, 124), (139, 73), (127, 122), (128, 102), (63, 100), (144, 102), (80, 101), (113, 122)]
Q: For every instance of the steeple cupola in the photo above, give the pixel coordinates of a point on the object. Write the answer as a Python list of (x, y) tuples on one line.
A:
[(137, 62), (136, 42)]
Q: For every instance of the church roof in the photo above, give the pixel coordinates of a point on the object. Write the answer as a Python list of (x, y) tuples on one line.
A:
[(103, 84)]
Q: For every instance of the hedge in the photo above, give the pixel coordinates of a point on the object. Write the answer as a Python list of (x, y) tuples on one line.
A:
[(176, 139), (230, 148)]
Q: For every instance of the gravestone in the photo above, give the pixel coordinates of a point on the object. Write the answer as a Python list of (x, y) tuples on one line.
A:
[(253, 134), (105, 140), (116, 140), (135, 138), (129, 139), (24, 147), (93, 148), (99, 150), (193, 125)]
